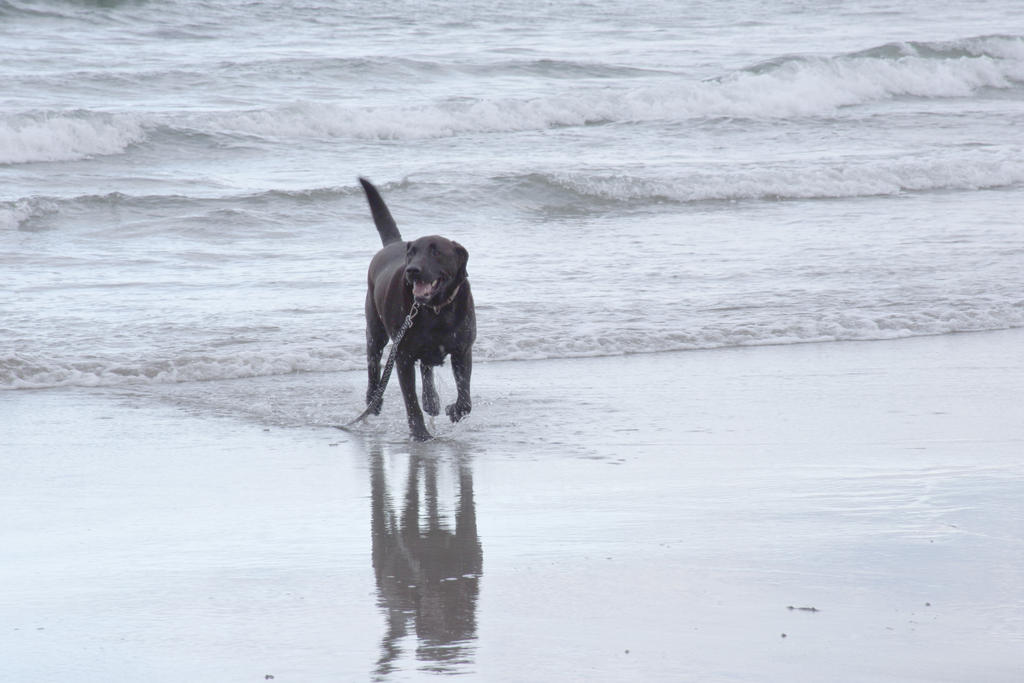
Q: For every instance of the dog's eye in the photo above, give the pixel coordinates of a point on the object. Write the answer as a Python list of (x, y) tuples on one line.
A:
[(433, 250)]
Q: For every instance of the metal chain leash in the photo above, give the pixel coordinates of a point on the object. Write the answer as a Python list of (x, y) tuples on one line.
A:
[(378, 395)]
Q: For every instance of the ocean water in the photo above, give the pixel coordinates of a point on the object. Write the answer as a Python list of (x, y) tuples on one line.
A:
[(183, 237), (179, 203)]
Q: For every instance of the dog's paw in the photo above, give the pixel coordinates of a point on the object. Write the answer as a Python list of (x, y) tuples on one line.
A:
[(456, 411), (420, 435)]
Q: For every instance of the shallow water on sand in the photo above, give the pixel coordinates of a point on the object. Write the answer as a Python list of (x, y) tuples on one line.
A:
[(878, 483)]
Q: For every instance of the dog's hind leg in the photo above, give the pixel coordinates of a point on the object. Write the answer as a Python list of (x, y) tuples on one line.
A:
[(376, 340), (431, 402)]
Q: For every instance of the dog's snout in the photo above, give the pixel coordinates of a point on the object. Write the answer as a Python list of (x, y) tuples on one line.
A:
[(412, 271)]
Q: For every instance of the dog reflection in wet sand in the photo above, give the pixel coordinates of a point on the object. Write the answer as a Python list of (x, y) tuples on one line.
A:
[(427, 573)]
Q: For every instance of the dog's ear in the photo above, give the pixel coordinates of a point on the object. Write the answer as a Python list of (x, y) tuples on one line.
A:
[(463, 258)]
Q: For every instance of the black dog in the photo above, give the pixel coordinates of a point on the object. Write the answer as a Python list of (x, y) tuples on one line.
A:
[(431, 272)]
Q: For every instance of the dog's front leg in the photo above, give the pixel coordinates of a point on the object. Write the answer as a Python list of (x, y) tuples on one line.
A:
[(462, 368), (431, 402), (407, 380)]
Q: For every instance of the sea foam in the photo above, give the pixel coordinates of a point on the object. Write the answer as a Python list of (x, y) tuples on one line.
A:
[(820, 180), (21, 371), (497, 342)]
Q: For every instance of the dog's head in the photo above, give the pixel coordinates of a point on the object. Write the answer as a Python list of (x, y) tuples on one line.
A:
[(434, 267)]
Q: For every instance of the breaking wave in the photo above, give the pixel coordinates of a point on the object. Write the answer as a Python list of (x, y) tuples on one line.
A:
[(69, 136), (792, 86), (958, 169), (785, 87)]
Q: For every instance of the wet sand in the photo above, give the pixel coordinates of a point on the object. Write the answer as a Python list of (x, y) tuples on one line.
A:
[(653, 517)]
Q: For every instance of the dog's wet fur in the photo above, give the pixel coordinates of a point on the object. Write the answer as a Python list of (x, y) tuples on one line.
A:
[(431, 271)]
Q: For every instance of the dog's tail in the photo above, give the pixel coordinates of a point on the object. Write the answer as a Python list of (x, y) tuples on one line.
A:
[(386, 225)]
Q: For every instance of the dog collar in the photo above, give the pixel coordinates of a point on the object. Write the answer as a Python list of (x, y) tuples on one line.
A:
[(448, 301)]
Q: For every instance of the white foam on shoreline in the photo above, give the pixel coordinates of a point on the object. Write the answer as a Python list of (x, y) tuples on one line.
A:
[(31, 372)]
